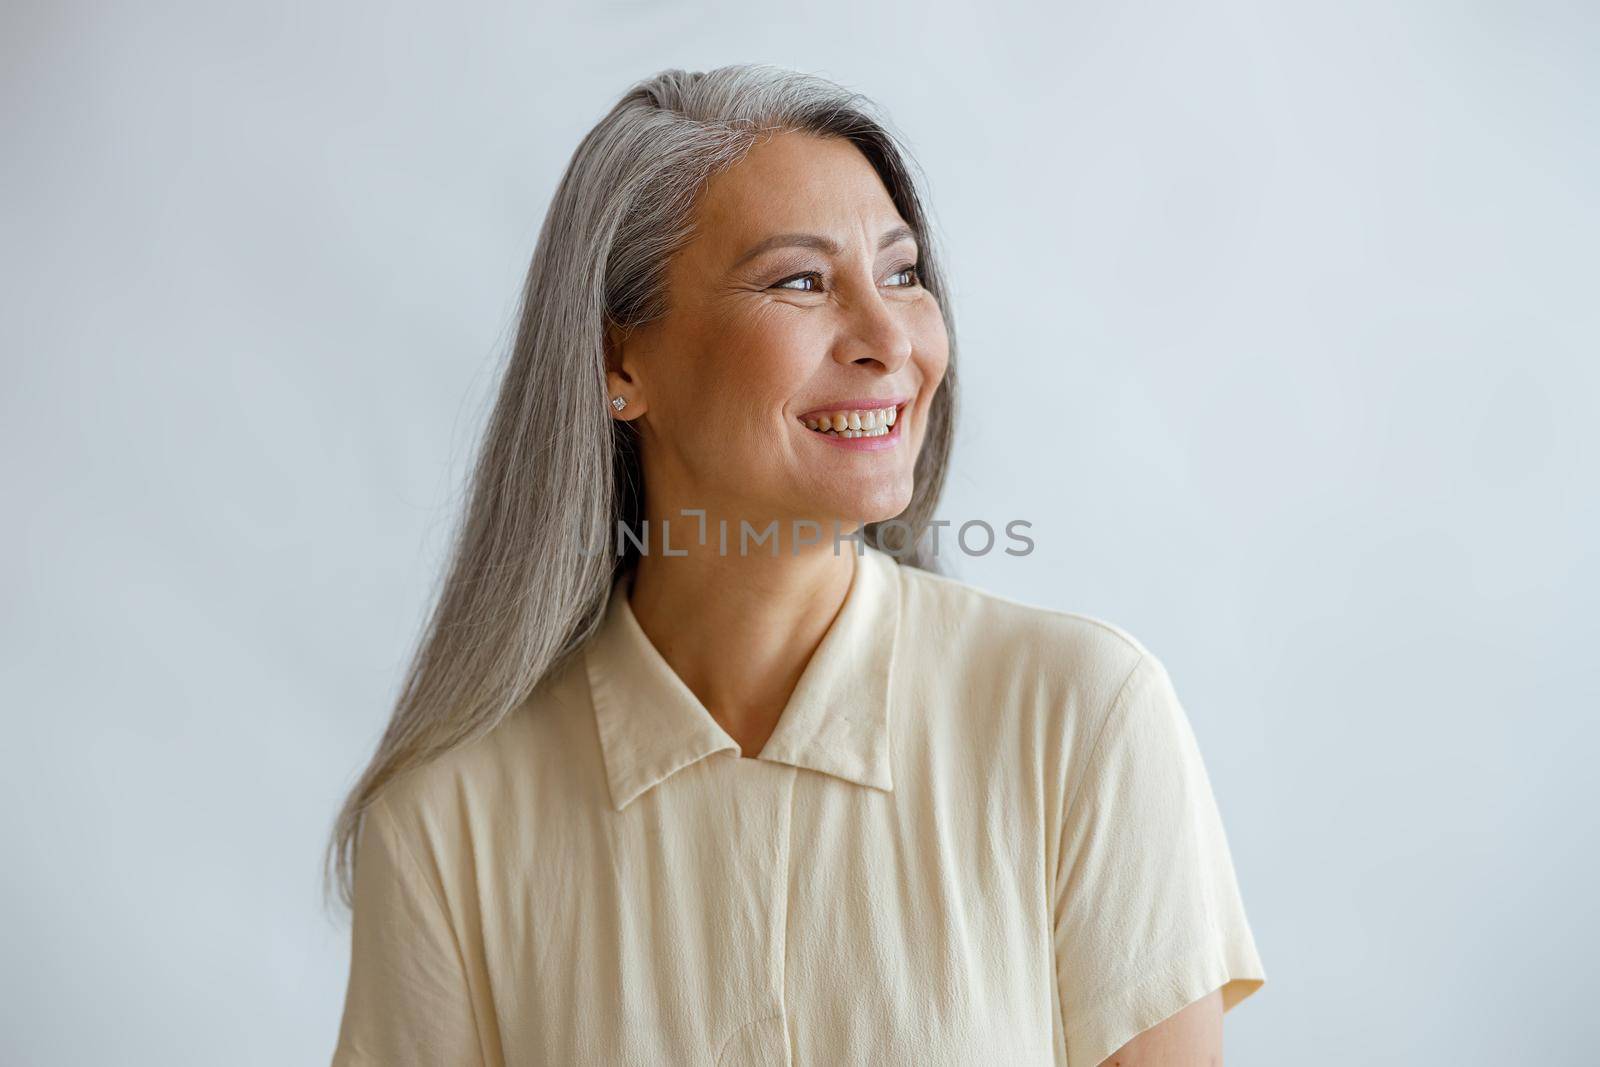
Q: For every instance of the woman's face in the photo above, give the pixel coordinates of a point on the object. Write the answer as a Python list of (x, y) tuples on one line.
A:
[(797, 297)]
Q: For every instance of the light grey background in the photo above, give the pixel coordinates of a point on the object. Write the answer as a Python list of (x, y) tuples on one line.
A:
[(1278, 322)]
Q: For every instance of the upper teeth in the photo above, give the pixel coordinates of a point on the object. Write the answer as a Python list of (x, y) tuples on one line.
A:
[(858, 422)]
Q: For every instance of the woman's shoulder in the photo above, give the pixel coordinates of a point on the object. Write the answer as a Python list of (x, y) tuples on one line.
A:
[(507, 766), (954, 622), (1002, 677)]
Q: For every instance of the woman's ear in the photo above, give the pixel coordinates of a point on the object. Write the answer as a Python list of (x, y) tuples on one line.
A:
[(613, 339), (621, 381)]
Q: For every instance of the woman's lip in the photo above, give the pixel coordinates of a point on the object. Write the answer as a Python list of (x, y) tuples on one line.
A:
[(866, 403)]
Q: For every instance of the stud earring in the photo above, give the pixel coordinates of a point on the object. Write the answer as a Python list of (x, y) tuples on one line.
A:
[(618, 402)]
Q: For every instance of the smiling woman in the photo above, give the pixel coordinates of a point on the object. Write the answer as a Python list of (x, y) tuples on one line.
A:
[(800, 805), (721, 384)]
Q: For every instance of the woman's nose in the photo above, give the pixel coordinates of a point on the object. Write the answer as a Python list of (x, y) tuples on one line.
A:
[(874, 329)]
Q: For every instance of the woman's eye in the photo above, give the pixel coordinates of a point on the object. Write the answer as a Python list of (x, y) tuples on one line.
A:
[(811, 281), (909, 269), (788, 283)]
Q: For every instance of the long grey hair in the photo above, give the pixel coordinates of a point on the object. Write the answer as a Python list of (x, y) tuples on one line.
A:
[(516, 602)]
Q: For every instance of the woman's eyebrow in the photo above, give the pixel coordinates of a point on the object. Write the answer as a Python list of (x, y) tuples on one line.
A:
[(816, 241)]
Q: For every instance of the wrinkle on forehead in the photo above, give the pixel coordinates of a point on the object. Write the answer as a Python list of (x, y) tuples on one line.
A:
[(793, 182)]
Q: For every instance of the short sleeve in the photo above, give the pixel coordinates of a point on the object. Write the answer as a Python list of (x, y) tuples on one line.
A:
[(407, 1001), (1148, 914)]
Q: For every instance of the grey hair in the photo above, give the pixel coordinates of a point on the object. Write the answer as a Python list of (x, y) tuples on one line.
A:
[(516, 603)]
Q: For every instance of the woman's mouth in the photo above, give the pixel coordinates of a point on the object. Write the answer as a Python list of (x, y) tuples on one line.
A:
[(855, 422)]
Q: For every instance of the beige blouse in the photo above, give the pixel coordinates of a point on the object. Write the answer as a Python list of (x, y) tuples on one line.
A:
[(981, 833)]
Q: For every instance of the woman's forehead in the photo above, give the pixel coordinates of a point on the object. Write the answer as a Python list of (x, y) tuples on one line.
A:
[(794, 183)]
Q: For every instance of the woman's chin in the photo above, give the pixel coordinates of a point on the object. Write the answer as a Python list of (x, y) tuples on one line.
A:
[(861, 509)]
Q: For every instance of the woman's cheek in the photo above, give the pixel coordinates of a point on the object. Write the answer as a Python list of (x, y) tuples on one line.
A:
[(770, 341), (929, 316)]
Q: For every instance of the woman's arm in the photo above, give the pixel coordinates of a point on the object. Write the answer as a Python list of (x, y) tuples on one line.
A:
[(1151, 940), (407, 1003), (1191, 1038)]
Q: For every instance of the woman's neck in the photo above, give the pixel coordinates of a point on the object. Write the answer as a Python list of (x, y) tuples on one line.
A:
[(739, 630)]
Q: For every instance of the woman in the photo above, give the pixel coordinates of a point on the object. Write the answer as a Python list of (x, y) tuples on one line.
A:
[(764, 787)]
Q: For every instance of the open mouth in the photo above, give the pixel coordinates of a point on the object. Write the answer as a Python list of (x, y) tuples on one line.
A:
[(855, 422)]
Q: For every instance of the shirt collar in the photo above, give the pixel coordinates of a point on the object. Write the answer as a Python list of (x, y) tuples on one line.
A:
[(651, 724)]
